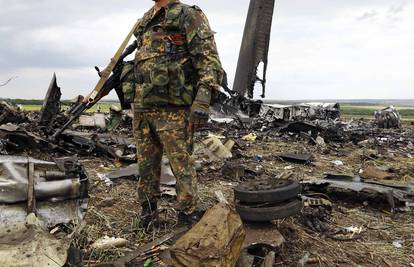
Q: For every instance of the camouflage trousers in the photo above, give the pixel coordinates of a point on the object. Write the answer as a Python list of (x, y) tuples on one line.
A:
[(159, 131)]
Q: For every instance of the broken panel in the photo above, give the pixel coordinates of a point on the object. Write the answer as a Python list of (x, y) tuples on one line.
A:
[(51, 104)]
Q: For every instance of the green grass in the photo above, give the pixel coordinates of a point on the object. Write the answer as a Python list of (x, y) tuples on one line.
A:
[(32, 107), (368, 111), (104, 107)]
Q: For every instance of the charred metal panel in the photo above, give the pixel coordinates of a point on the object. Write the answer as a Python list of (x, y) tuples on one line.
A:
[(51, 104), (25, 237), (255, 47)]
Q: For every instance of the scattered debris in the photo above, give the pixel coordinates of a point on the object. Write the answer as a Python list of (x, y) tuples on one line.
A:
[(395, 196), (148, 252), (10, 114)]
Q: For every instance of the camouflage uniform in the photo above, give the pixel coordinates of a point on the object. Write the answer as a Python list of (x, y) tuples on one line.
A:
[(176, 65)]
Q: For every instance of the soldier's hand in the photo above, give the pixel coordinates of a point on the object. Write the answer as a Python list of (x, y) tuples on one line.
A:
[(200, 108), (199, 114)]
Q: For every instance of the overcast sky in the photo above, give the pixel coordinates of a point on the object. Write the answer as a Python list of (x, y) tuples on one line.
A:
[(320, 49)]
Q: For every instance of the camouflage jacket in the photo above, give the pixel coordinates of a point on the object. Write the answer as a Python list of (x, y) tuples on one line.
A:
[(177, 58)]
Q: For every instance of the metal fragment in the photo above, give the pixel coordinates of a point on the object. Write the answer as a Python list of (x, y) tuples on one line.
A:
[(51, 104), (254, 48)]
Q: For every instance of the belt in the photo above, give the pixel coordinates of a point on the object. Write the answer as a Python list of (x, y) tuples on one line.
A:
[(163, 108)]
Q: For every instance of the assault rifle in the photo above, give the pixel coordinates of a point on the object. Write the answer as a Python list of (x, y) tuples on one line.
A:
[(106, 83), (113, 82)]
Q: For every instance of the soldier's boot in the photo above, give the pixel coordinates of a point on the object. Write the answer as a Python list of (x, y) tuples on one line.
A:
[(149, 215), (189, 219)]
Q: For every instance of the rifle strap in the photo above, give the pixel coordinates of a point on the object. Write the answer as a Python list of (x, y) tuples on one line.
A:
[(108, 70)]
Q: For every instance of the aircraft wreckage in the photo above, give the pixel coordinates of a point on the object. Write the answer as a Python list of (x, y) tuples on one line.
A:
[(43, 201)]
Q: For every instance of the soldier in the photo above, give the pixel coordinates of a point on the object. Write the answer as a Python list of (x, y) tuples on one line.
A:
[(177, 70)]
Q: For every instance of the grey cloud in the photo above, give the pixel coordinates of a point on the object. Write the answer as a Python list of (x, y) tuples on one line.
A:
[(21, 20), (43, 36), (395, 11), (397, 8), (368, 15)]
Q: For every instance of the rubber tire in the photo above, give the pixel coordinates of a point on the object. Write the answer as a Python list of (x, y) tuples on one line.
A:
[(266, 214), (275, 195)]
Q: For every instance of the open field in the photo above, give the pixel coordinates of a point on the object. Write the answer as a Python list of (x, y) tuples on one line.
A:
[(104, 106), (407, 113), (348, 110)]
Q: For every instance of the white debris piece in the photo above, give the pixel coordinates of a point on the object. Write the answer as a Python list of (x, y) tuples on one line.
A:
[(337, 163), (97, 120), (109, 242), (397, 244)]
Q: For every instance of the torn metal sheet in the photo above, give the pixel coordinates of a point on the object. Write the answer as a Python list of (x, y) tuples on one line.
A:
[(392, 195), (23, 160), (25, 240), (255, 47), (50, 213), (13, 192), (14, 181), (132, 171), (296, 158), (51, 104)]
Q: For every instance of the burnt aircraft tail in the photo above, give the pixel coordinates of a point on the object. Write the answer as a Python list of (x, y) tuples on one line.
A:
[(255, 47)]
